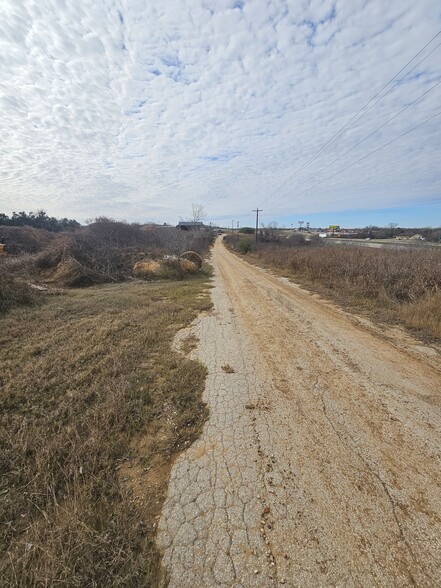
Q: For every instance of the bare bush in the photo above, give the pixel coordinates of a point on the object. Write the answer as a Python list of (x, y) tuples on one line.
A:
[(19, 240), (389, 278), (177, 241), (193, 257), (14, 291), (106, 251)]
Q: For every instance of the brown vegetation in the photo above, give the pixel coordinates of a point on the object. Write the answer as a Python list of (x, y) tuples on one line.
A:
[(19, 240), (146, 269), (82, 377), (189, 266), (106, 251), (193, 257), (14, 290), (401, 285)]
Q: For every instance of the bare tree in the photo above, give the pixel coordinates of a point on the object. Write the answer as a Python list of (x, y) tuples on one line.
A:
[(392, 229), (197, 212)]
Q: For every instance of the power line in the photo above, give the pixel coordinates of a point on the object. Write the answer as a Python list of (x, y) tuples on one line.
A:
[(354, 119), (367, 136), (371, 153)]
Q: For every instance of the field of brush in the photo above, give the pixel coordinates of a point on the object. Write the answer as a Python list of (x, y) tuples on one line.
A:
[(396, 285), (86, 374)]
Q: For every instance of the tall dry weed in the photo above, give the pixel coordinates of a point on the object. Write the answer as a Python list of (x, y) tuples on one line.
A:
[(406, 282)]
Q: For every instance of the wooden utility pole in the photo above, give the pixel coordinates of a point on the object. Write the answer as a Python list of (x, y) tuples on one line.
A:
[(257, 210)]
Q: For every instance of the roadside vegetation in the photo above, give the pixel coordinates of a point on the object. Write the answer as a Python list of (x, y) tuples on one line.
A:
[(402, 286), (105, 251), (94, 403)]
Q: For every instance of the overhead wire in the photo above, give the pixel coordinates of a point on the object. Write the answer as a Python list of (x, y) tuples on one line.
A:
[(370, 153), (355, 118), (365, 138)]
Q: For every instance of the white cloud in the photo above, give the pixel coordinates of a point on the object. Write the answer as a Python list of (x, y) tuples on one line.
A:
[(136, 110)]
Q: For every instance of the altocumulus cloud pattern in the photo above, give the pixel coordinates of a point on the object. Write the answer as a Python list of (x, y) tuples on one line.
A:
[(137, 109)]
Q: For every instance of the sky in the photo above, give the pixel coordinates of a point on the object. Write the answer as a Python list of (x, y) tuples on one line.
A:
[(135, 109)]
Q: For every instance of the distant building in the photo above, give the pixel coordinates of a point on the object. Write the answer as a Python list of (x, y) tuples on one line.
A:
[(190, 225)]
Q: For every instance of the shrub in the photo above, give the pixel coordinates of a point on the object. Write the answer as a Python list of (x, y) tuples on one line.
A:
[(106, 251), (171, 269), (19, 240), (245, 245), (146, 269), (14, 291), (193, 257)]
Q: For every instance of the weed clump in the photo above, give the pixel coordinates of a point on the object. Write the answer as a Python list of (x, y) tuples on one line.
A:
[(14, 291), (193, 257)]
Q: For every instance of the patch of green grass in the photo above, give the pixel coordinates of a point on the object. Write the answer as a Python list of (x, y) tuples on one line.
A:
[(83, 378)]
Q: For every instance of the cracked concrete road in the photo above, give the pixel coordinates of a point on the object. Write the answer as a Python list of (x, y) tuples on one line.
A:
[(320, 462)]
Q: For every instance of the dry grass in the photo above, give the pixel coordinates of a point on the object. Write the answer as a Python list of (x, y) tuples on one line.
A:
[(399, 285), (193, 257), (189, 344), (14, 290), (84, 377)]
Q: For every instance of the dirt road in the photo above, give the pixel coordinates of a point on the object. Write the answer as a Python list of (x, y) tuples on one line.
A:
[(320, 463)]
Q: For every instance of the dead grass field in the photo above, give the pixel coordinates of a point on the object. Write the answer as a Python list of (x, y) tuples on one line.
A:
[(401, 286), (83, 377)]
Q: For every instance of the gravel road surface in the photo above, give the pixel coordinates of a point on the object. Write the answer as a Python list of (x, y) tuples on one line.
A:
[(320, 462)]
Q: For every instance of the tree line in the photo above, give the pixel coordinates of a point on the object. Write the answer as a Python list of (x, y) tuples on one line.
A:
[(38, 220)]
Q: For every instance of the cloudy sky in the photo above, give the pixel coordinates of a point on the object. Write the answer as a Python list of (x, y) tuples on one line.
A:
[(135, 109)]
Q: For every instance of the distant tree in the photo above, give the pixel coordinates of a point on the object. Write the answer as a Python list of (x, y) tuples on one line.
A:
[(38, 220), (247, 230), (391, 229), (104, 219), (197, 212)]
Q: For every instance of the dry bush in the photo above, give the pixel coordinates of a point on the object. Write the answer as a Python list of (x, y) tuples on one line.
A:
[(14, 291), (19, 240), (86, 257), (171, 269), (395, 279), (193, 257), (188, 266), (146, 269), (176, 241), (107, 251)]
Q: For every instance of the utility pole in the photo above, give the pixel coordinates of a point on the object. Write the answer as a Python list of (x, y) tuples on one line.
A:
[(257, 210), (301, 225)]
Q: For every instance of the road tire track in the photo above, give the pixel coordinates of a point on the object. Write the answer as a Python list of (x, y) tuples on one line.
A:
[(320, 462)]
